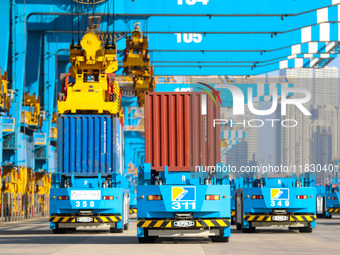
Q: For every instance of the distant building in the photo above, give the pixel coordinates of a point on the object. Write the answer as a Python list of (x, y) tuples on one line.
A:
[(316, 138)]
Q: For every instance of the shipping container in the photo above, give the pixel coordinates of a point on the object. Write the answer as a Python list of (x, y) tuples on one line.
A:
[(89, 144), (180, 131), (179, 137)]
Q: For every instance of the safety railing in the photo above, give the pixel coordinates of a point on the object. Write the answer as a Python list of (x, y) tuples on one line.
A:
[(17, 206), (39, 138), (8, 124)]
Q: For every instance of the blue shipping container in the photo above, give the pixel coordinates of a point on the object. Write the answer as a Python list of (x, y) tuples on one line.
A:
[(89, 144)]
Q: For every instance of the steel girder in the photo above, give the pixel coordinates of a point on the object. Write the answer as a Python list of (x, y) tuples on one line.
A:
[(62, 22), (185, 7)]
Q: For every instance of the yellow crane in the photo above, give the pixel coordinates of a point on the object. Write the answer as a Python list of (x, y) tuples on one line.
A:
[(136, 64), (93, 64)]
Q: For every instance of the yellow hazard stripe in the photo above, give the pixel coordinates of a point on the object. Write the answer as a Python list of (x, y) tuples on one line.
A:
[(96, 219), (169, 223), (261, 218), (158, 224), (146, 224), (299, 217), (65, 219), (209, 223), (221, 222), (333, 210), (269, 217)]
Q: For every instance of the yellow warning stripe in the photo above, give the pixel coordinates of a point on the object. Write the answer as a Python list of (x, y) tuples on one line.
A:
[(195, 223), (296, 218), (133, 210), (65, 219), (333, 210), (96, 219)]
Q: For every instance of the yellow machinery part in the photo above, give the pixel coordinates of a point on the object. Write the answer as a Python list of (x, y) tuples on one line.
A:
[(136, 53), (54, 117), (4, 98), (43, 183), (95, 89), (10, 180), (54, 133), (136, 64), (31, 117)]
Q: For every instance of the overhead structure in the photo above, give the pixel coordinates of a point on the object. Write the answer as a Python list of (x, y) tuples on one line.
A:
[(137, 66), (265, 36)]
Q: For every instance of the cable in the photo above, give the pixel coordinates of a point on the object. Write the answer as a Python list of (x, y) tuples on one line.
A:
[(72, 21), (78, 23), (113, 23)]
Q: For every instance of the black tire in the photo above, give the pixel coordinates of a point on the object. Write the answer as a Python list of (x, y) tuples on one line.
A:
[(115, 230), (59, 231), (238, 226), (249, 230), (148, 239), (219, 239), (306, 230), (327, 217)]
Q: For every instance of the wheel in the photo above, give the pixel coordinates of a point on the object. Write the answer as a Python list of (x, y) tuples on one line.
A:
[(238, 226), (126, 226), (327, 217), (116, 230), (219, 239), (148, 239), (306, 230), (59, 231), (249, 230)]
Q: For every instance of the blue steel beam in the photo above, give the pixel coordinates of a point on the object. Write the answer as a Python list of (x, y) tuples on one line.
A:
[(220, 7), (62, 22), (50, 93), (256, 68), (5, 21), (63, 41), (240, 42), (18, 66), (309, 60), (186, 7), (236, 70)]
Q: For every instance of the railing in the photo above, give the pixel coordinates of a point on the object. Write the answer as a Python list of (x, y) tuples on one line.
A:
[(8, 124), (17, 206), (39, 138)]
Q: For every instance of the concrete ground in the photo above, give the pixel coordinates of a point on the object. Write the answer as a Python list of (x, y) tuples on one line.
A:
[(34, 237)]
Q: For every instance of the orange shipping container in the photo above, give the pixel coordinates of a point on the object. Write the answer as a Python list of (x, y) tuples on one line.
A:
[(179, 131)]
